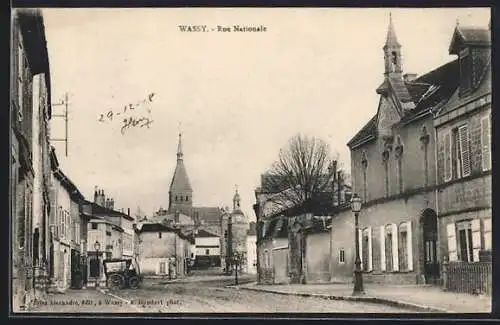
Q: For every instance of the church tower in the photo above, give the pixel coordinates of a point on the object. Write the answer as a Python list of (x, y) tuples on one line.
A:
[(236, 201), (180, 193), (392, 52)]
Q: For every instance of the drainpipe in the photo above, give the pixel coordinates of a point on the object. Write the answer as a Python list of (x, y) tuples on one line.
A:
[(436, 191)]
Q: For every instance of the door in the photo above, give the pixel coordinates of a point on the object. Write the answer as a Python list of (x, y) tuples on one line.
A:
[(76, 270), (431, 264)]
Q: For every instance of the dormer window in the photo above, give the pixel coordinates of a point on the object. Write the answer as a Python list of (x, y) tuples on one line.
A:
[(465, 59)]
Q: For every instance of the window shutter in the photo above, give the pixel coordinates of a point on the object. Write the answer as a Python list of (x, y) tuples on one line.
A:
[(486, 143), (409, 246), (370, 257), (382, 248), (360, 241), (476, 238), (395, 252), (452, 242), (447, 157), (487, 233), (463, 133)]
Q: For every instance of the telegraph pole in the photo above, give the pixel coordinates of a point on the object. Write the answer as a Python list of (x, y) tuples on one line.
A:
[(65, 116)]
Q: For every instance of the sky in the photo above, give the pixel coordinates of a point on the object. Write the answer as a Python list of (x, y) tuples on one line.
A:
[(236, 97)]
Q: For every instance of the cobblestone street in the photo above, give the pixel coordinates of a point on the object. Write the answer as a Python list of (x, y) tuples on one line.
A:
[(199, 295)]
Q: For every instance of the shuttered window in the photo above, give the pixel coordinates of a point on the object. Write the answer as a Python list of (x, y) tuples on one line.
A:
[(486, 143), (405, 248), (465, 241), (463, 135), (395, 251), (452, 242), (476, 239), (487, 234), (382, 247), (447, 157)]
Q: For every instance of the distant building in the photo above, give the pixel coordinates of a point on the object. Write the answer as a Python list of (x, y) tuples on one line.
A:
[(181, 198), (207, 249), (163, 250), (251, 263), (238, 228)]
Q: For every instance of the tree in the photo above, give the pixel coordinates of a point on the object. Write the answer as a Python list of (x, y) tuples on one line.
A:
[(303, 174)]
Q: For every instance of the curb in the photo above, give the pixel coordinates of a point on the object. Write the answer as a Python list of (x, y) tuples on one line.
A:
[(368, 299)]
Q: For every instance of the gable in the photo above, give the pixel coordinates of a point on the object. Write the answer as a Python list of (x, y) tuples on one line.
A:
[(387, 116)]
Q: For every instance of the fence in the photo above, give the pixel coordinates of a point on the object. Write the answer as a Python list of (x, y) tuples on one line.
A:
[(473, 278)]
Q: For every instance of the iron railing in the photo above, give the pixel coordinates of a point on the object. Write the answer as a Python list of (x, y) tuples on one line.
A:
[(473, 278)]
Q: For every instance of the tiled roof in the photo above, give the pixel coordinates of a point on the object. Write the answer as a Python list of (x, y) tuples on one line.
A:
[(202, 233), (470, 36), (180, 181), (369, 129)]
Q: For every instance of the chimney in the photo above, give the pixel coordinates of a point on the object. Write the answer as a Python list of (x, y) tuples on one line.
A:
[(106, 204), (409, 77), (112, 204), (96, 195)]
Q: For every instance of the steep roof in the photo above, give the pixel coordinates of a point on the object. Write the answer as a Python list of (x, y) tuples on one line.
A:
[(478, 36), (180, 181)]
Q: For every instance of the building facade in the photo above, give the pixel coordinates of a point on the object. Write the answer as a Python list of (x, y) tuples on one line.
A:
[(207, 249), (30, 111), (251, 263), (395, 167), (464, 197)]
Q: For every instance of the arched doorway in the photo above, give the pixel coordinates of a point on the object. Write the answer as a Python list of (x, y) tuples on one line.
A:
[(430, 234)]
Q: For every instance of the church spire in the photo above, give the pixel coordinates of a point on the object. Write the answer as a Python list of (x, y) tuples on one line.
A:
[(179, 148), (392, 51), (391, 39)]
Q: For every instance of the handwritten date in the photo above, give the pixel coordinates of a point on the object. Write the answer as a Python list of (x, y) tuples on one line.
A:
[(133, 122)]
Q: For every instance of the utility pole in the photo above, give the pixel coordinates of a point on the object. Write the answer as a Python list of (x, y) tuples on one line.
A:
[(65, 116), (229, 243)]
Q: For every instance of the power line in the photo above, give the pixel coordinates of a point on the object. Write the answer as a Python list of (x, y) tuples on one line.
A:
[(65, 117)]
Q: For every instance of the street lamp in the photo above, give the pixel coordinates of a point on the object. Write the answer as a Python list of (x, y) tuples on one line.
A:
[(358, 275), (97, 247)]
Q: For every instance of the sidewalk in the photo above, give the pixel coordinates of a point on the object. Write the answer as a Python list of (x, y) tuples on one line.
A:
[(422, 298)]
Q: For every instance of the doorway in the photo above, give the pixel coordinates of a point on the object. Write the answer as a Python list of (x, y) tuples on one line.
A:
[(430, 234)]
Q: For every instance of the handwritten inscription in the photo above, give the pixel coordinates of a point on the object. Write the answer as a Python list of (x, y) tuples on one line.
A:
[(127, 121)]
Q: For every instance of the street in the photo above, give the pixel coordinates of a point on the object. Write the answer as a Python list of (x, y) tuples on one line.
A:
[(200, 294)]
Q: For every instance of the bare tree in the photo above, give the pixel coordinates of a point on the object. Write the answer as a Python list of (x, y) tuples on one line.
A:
[(302, 175)]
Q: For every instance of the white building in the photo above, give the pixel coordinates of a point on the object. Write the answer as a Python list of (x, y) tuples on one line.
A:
[(207, 249), (251, 265)]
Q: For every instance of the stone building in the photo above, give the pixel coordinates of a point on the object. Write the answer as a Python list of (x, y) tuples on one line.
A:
[(162, 250), (251, 262), (393, 164), (30, 112), (236, 223), (181, 198), (464, 197)]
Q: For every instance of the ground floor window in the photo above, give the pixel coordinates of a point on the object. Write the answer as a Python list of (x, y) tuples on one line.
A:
[(163, 268), (341, 256), (465, 240)]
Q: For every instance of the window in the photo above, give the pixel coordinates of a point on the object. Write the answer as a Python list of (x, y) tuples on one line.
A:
[(187, 198), (424, 139), (464, 240), (163, 268), (108, 233), (399, 157), (364, 164), (341, 256), (389, 259), (267, 259), (457, 153), (487, 234), (207, 252), (405, 247), (485, 143), (176, 198), (62, 223), (159, 235), (385, 161), (366, 249), (94, 225)]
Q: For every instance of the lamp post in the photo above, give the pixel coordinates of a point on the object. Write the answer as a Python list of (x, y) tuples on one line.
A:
[(358, 275), (97, 247), (236, 263)]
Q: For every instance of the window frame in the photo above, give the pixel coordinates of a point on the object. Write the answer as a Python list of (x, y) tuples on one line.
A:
[(341, 256)]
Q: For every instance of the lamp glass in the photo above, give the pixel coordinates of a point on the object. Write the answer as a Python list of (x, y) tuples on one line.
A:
[(97, 246), (356, 203)]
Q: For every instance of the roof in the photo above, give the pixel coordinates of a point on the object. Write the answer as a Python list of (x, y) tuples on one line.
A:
[(426, 92), (202, 233), (180, 181), (478, 36), (97, 209), (210, 215), (391, 40), (183, 219)]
